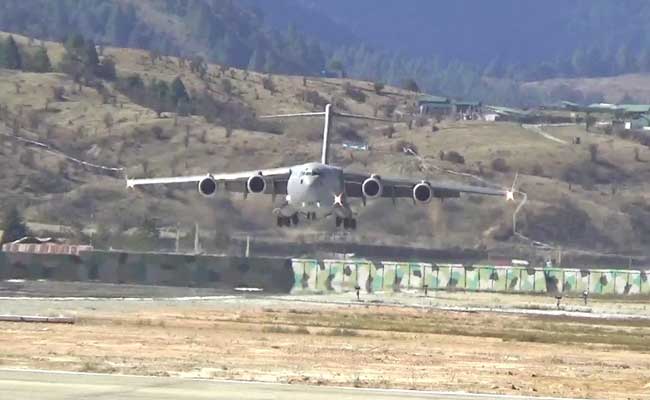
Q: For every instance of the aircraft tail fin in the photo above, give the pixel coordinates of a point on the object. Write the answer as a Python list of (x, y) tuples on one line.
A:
[(326, 135), (328, 114)]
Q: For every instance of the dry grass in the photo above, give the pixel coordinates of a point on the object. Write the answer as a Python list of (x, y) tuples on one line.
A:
[(378, 347), (630, 335)]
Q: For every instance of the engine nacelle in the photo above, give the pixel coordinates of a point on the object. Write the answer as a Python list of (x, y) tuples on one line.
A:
[(372, 187), (208, 186), (422, 192), (256, 184)]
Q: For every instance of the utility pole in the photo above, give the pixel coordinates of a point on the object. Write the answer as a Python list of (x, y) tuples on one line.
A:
[(178, 239), (197, 245)]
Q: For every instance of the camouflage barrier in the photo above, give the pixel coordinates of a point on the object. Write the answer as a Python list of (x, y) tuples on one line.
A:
[(389, 276), (270, 274), (312, 276)]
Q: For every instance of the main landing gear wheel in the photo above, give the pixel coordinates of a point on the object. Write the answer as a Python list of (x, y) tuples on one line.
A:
[(283, 221), (348, 223)]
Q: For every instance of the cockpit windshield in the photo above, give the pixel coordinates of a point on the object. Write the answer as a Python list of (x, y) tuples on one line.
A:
[(310, 172)]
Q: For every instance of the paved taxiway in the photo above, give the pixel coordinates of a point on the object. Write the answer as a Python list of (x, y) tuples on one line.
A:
[(44, 385)]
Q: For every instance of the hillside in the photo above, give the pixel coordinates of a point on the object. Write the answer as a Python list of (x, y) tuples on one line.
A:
[(628, 88), (574, 200)]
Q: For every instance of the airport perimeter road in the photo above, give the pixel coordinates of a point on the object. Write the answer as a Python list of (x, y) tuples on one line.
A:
[(44, 385)]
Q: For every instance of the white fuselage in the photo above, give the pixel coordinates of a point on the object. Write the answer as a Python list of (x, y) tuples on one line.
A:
[(318, 189)]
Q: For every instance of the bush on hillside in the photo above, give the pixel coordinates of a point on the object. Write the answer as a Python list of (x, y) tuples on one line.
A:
[(454, 157)]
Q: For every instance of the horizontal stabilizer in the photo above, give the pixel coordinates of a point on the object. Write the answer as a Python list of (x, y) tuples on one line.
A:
[(313, 114)]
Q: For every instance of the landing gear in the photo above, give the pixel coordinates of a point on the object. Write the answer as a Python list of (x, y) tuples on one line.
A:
[(348, 223), (283, 221)]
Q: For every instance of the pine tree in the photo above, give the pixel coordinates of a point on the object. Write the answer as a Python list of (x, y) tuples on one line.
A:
[(41, 61), (258, 58), (120, 24), (178, 92), (74, 44), (411, 85), (13, 60), (337, 65), (90, 57), (14, 226)]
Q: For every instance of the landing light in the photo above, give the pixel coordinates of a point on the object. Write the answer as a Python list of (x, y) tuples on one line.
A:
[(338, 200)]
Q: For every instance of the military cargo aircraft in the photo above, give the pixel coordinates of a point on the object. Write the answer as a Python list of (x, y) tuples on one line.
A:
[(318, 189)]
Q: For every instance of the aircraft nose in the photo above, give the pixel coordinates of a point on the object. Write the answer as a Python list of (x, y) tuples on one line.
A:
[(311, 180)]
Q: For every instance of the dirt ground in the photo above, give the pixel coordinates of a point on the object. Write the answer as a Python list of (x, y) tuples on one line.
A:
[(232, 337)]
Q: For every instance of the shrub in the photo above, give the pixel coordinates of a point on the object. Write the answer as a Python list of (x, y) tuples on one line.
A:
[(227, 86), (314, 98), (268, 84), (388, 131), (500, 165), (388, 109), (454, 157), (378, 87), (349, 133), (354, 93), (537, 170), (411, 85)]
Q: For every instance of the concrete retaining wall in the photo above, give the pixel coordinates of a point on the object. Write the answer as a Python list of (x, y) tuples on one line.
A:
[(343, 276), (270, 274)]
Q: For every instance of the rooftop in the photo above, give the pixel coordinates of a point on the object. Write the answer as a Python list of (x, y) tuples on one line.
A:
[(433, 99)]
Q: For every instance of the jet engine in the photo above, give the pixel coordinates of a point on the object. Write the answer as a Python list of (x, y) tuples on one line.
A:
[(372, 187), (422, 192), (256, 184), (208, 186)]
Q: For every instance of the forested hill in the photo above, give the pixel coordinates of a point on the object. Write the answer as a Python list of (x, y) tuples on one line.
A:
[(475, 50), (531, 39), (219, 30)]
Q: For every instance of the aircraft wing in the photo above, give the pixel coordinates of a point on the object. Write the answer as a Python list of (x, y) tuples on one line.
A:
[(276, 180), (403, 188)]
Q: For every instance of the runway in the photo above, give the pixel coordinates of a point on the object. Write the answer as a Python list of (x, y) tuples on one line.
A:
[(45, 385)]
